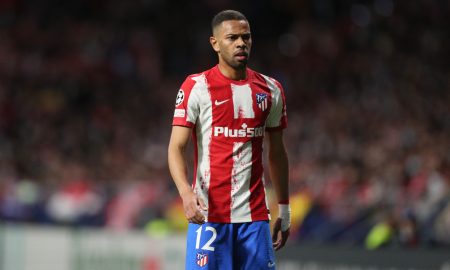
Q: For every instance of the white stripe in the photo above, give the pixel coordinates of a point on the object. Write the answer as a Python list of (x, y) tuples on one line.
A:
[(240, 181), (203, 126), (242, 101), (276, 110)]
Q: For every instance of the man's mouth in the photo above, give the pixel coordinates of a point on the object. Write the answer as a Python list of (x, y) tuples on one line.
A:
[(241, 55)]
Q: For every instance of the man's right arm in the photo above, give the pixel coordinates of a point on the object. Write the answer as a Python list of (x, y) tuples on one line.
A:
[(178, 169)]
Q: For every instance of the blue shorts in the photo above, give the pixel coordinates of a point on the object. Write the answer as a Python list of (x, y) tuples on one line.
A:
[(234, 246)]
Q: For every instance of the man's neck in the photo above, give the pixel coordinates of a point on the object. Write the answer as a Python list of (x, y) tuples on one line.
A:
[(233, 74)]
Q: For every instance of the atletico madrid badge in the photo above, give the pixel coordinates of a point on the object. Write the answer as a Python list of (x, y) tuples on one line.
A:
[(261, 101), (202, 259)]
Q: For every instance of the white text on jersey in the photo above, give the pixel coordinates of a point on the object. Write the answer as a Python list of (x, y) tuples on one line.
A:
[(244, 132)]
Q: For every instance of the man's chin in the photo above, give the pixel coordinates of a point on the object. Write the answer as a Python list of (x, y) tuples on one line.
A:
[(240, 64), (237, 64)]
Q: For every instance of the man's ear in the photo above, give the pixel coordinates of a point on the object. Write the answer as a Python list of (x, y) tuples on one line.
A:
[(214, 44)]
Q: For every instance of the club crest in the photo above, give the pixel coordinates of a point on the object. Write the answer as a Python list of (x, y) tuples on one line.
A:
[(202, 259), (261, 101)]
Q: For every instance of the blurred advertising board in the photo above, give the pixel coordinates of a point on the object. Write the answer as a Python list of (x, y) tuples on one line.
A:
[(50, 248), (321, 257)]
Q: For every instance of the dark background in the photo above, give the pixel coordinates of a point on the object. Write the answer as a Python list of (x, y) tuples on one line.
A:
[(87, 90)]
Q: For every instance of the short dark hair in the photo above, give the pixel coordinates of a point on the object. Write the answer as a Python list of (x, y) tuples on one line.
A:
[(227, 15)]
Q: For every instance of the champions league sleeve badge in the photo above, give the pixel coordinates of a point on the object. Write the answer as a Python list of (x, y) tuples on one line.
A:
[(180, 97), (261, 101)]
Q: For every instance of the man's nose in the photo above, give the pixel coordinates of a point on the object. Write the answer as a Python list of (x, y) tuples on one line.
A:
[(241, 42)]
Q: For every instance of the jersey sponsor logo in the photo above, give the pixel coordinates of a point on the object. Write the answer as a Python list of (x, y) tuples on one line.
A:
[(179, 113), (217, 103), (243, 132), (202, 259), (180, 97), (261, 101), (271, 264)]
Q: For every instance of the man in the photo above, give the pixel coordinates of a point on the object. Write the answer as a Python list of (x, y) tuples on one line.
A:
[(228, 109)]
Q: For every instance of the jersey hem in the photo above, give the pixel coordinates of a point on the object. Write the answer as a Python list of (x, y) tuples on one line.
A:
[(269, 129), (186, 124), (244, 220)]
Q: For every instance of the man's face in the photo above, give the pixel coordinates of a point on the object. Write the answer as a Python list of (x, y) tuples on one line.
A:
[(232, 41)]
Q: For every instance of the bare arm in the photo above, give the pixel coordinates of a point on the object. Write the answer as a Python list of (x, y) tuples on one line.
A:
[(278, 165), (178, 169), (279, 174)]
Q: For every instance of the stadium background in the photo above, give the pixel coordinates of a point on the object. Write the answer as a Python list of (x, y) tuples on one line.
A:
[(86, 99)]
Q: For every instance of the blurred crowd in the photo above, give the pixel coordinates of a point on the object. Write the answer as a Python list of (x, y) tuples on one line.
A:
[(87, 90)]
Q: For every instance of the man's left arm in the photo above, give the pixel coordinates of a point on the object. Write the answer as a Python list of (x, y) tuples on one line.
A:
[(279, 174)]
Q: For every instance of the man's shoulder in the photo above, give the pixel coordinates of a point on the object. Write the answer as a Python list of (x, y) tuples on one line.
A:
[(194, 79), (260, 76), (195, 76)]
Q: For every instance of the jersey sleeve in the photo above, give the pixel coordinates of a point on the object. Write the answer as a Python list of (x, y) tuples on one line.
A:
[(277, 118), (186, 104)]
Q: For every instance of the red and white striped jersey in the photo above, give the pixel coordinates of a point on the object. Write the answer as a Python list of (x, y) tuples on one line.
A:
[(229, 119)]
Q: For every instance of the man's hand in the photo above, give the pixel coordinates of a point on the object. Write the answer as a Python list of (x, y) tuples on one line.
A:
[(282, 226), (193, 206)]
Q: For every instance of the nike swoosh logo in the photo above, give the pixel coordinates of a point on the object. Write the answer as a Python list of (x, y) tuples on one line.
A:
[(271, 264), (217, 103)]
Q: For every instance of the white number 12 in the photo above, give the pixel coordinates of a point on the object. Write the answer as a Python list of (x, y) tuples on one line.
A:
[(207, 245)]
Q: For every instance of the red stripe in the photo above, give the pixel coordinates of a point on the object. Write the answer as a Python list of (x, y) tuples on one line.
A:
[(258, 206), (221, 159)]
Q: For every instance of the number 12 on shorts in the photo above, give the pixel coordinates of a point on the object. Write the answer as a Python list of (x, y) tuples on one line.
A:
[(207, 245)]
